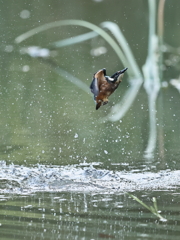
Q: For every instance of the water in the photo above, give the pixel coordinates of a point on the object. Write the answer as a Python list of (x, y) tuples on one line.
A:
[(65, 172), (88, 216)]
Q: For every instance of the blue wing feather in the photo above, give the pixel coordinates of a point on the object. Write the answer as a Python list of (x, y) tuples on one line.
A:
[(94, 87)]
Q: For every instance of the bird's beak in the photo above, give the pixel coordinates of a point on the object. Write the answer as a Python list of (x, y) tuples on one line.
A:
[(98, 105), (104, 71), (118, 75), (122, 71)]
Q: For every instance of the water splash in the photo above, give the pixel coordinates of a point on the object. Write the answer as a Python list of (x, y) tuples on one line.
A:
[(80, 178)]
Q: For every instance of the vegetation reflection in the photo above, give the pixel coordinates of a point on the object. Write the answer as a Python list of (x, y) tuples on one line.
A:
[(151, 74)]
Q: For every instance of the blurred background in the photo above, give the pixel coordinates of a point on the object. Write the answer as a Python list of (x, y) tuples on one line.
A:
[(47, 119)]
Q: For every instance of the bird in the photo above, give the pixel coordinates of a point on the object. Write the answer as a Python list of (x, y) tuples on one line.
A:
[(103, 86)]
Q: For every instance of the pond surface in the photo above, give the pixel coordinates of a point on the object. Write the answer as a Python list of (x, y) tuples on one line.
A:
[(65, 168), (88, 216)]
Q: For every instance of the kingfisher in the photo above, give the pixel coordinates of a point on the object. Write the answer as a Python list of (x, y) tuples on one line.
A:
[(103, 86)]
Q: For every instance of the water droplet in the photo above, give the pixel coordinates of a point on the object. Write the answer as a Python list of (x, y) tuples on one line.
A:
[(76, 135), (24, 14), (25, 68), (106, 152)]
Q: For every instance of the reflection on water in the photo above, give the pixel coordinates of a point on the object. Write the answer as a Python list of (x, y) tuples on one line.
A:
[(82, 202), (87, 216), (52, 139), (47, 120)]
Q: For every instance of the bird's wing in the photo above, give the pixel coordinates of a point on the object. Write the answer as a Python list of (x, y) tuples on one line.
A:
[(98, 79), (94, 87)]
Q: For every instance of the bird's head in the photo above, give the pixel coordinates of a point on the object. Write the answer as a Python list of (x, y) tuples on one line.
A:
[(101, 100), (117, 77)]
